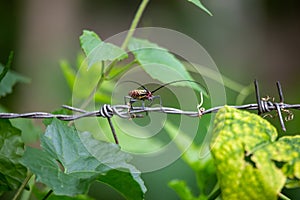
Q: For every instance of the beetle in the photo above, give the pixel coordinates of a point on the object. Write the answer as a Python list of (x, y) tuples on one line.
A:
[(145, 94)]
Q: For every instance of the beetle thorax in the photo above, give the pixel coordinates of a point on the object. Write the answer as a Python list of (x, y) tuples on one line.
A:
[(140, 94)]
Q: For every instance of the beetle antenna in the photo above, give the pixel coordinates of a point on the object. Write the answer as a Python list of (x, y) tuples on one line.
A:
[(175, 82), (137, 84)]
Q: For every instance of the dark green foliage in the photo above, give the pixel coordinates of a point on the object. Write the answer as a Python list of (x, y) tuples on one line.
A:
[(12, 172), (9, 79), (69, 168)]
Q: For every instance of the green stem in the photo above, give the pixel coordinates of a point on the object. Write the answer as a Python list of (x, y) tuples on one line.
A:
[(21, 188), (132, 28), (109, 68), (8, 66), (134, 23), (244, 93), (122, 70), (200, 182), (47, 195), (214, 194), (283, 197)]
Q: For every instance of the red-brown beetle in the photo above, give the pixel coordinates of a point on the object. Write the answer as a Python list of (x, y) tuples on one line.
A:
[(145, 94)]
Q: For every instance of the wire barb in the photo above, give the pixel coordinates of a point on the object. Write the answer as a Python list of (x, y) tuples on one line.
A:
[(258, 99), (199, 106), (266, 105), (281, 98)]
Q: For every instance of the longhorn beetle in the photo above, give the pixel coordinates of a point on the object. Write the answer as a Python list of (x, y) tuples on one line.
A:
[(145, 94)]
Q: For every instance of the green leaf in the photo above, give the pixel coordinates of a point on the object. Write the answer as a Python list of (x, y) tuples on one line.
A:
[(71, 161), (244, 168), (200, 5), (12, 173), (30, 132), (89, 40), (160, 64), (133, 187), (9, 80), (182, 190), (98, 51), (121, 180)]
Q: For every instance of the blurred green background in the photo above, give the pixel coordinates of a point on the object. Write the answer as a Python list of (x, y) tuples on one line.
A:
[(247, 40)]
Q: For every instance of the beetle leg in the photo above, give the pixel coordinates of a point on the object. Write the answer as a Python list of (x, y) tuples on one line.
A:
[(156, 97), (143, 107), (125, 99), (129, 103)]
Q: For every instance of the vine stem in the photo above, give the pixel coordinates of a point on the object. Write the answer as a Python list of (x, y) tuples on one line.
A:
[(134, 23), (21, 188), (104, 74), (132, 28)]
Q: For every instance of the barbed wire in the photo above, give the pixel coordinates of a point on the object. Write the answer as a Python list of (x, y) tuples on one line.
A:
[(263, 105)]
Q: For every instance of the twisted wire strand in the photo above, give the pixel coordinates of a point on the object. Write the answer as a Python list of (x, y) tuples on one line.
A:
[(263, 105), (124, 111)]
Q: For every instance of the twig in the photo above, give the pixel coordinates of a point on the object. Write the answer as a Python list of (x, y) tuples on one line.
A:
[(23, 185), (48, 194)]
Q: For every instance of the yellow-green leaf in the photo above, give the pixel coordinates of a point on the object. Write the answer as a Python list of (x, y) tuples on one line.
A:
[(242, 170), (286, 154)]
